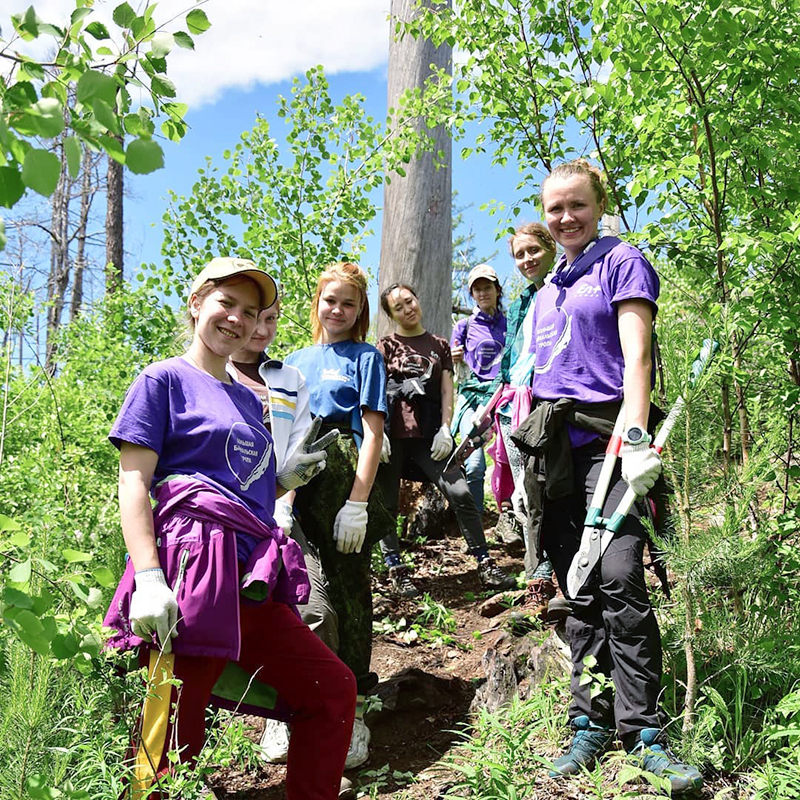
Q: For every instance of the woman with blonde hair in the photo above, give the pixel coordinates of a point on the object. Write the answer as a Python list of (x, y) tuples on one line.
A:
[(338, 510)]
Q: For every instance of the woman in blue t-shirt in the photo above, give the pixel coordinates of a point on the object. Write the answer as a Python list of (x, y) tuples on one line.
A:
[(338, 510), (210, 577)]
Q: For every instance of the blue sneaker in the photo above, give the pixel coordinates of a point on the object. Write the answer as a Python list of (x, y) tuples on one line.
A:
[(657, 758), (588, 744)]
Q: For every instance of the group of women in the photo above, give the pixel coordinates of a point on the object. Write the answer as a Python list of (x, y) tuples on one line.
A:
[(216, 566)]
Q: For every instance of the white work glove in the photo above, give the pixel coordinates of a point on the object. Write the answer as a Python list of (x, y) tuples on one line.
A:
[(442, 444), (308, 460), (153, 608), (350, 527), (641, 466), (386, 450), (283, 516)]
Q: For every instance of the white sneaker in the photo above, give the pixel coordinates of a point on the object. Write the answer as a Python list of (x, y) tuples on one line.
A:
[(359, 745), (275, 742)]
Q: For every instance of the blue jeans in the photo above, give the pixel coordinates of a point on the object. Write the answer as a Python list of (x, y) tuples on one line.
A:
[(475, 465)]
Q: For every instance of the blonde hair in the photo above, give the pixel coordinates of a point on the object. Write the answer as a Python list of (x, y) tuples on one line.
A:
[(580, 166), (352, 275), (534, 229)]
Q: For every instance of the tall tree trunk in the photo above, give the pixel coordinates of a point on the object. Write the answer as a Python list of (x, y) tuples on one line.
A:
[(59, 262), (416, 241), (114, 238), (87, 195)]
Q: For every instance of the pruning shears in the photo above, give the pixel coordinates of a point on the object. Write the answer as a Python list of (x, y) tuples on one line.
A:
[(598, 531)]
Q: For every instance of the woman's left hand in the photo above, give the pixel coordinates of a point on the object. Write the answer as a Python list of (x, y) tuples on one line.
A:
[(442, 444), (641, 466)]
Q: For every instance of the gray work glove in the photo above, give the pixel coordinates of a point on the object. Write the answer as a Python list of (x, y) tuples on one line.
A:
[(308, 460), (386, 450), (154, 608), (442, 444), (641, 466), (350, 527)]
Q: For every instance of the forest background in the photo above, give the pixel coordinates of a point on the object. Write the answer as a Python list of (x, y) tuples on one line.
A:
[(692, 111)]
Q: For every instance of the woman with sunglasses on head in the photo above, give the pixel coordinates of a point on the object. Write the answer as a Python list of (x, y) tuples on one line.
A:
[(211, 579), (592, 347), (419, 368), (339, 511)]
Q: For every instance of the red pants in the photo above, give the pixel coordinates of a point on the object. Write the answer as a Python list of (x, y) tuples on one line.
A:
[(318, 687)]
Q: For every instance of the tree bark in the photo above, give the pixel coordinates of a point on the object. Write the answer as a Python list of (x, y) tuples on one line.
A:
[(87, 195), (114, 237), (59, 261), (416, 241)]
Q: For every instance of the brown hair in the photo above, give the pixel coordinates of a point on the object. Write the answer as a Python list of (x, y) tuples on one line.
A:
[(580, 166), (388, 290), (352, 275), (534, 229)]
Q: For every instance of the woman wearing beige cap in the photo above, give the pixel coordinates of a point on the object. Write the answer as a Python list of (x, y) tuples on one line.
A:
[(211, 581)]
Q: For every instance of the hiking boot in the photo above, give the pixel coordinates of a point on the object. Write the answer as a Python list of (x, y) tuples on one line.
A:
[(656, 757), (508, 530), (275, 742), (538, 594), (402, 585), (558, 608), (346, 790), (588, 744), (494, 578), (358, 751)]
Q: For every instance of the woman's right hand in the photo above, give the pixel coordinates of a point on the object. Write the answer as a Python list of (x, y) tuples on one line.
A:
[(457, 351), (386, 450), (154, 608)]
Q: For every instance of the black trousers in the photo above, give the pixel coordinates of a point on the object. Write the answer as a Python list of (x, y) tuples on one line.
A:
[(612, 618), (453, 486)]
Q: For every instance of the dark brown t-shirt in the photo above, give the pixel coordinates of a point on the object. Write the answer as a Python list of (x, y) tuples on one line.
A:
[(422, 357)]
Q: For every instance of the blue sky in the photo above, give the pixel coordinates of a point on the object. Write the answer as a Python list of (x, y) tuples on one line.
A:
[(239, 67)]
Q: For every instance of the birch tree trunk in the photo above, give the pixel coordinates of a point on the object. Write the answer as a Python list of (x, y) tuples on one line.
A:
[(114, 239), (87, 195), (416, 240)]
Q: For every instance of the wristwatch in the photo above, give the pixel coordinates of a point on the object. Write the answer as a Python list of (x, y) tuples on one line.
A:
[(636, 435)]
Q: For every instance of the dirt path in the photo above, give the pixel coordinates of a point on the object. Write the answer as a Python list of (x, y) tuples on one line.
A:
[(426, 688)]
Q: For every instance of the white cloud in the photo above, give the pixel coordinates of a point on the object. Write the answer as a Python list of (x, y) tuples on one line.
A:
[(253, 41)]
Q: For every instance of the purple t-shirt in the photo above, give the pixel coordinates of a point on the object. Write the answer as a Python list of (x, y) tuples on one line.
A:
[(203, 428), (483, 341), (576, 338)]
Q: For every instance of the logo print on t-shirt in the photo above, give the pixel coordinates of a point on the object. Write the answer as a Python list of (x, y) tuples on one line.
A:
[(553, 334), (415, 365), (248, 452), (488, 352)]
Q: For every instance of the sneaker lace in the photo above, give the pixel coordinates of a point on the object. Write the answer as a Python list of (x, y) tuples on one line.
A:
[(588, 743)]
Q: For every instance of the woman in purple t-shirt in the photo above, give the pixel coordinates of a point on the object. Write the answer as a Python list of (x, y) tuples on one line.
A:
[(211, 578), (592, 342)]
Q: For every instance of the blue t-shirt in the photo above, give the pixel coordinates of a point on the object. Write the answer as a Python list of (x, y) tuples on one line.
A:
[(203, 428), (342, 378)]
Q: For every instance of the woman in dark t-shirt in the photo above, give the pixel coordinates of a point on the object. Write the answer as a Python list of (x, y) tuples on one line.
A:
[(419, 370)]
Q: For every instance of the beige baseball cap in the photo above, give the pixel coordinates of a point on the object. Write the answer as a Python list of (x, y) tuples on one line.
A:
[(225, 267), (481, 271)]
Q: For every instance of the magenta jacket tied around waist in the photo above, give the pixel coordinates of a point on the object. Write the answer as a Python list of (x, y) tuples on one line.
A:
[(196, 527)]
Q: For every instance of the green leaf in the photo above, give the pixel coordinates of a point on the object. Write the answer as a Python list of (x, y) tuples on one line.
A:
[(143, 156), (13, 597), (162, 87), (197, 21), (95, 84), (41, 171), (72, 148), (104, 576), (182, 39), (124, 15), (75, 555), (19, 539), (45, 117), (20, 573), (3, 238), (30, 629), (105, 116), (64, 645), (8, 524), (79, 14), (163, 44), (98, 30)]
